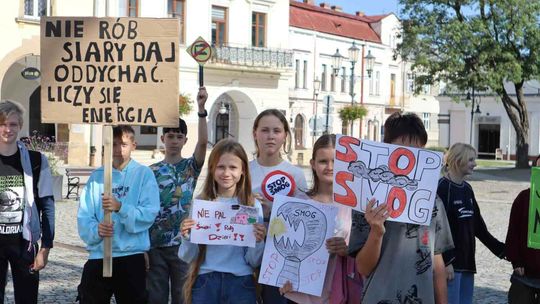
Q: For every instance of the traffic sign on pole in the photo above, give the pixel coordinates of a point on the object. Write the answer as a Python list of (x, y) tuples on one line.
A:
[(201, 51)]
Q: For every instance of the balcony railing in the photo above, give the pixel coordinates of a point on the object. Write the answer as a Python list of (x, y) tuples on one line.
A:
[(253, 56)]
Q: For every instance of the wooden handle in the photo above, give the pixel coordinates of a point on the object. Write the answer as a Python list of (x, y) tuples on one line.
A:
[(107, 190)]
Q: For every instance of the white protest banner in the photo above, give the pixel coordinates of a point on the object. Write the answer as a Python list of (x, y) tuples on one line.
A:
[(109, 70), (294, 249), (403, 177), (220, 223)]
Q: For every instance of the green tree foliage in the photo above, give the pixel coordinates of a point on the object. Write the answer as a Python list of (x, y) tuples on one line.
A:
[(184, 104), (480, 44), (352, 113)]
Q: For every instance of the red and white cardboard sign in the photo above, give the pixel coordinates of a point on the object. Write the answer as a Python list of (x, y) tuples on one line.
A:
[(278, 182)]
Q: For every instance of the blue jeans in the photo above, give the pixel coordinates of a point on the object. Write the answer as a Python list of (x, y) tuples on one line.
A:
[(460, 289), (225, 288)]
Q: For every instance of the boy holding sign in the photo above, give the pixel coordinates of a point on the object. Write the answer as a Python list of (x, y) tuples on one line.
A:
[(385, 249), (177, 178), (134, 206)]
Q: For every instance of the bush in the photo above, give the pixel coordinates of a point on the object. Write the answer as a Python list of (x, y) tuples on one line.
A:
[(352, 113), (55, 151), (184, 104)]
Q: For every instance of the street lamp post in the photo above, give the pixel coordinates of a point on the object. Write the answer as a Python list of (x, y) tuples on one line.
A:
[(337, 60), (316, 88), (473, 111)]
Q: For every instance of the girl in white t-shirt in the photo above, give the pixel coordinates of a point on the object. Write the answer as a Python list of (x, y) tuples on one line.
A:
[(271, 174), (322, 166)]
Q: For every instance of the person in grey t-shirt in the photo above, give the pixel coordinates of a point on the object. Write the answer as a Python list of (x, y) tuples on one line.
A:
[(402, 262)]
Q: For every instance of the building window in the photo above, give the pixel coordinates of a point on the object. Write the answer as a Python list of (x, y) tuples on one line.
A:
[(299, 132), (426, 117), (258, 29), (219, 25), (344, 80), (371, 81), (34, 9), (133, 8), (297, 74), (392, 88), (176, 9), (377, 83), (332, 82), (410, 83), (323, 78), (305, 75), (148, 130), (426, 89)]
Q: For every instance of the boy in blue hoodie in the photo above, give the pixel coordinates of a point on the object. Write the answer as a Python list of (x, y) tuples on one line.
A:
[(135, 204)]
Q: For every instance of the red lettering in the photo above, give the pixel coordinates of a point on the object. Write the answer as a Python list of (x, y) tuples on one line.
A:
[(350, 198), (396, 194), (217, 226), (346, 142), (394, 159)]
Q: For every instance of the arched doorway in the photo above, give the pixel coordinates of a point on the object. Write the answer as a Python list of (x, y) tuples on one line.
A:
[(231, 116), (34, 113), (299, 132)]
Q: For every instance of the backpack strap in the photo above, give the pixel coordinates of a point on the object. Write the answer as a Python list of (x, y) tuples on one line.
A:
[(35, 161)]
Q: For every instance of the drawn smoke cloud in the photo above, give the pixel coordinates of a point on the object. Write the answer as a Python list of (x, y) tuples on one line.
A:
[(382, 174)]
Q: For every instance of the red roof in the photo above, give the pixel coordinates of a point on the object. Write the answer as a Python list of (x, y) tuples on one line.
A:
[(311, 17)]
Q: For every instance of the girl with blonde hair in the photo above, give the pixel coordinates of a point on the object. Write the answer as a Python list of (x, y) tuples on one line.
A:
[(466, 223)]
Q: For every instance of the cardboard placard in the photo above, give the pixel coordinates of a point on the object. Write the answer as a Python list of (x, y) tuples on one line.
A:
[(109, 70), (405, 178), (223, 224), (533, 235), (294, 249)]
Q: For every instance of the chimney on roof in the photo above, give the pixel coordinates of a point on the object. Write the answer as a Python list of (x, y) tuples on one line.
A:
[(360, 14), (337, 8), (325, 5), (312, 2)]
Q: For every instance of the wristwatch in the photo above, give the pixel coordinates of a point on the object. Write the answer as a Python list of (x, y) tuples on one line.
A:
[(203, 114)]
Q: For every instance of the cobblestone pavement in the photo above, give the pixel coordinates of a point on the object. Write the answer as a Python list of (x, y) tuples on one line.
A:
[(494, 189)]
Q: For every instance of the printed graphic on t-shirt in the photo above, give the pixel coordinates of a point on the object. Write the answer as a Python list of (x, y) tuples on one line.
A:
[(465, 211), (120, 191), (11, 204), (176, 186), (410, 297)]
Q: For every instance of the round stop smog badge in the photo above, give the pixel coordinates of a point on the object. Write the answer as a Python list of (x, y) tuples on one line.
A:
[(278, 182)]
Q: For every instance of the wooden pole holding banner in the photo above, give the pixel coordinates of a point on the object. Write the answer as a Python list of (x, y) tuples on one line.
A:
[(107, 190)]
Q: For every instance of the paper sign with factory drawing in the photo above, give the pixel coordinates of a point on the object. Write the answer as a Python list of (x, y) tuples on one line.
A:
[(295, 248), (405, 178)]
